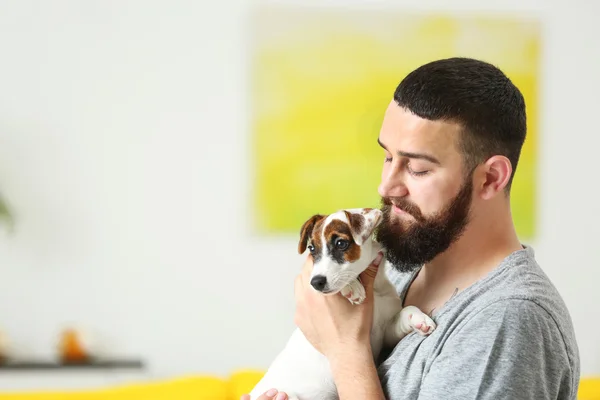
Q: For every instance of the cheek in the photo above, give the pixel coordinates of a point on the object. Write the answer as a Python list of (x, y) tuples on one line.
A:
[(353, 267), (433, 194)]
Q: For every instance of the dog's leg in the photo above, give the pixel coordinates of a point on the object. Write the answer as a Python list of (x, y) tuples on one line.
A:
[(354, 292), (410, 318)]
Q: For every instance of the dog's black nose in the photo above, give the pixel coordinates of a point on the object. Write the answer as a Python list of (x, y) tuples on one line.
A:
[(319, 282)]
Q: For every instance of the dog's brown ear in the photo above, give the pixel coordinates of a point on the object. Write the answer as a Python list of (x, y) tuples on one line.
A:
[(363, 222), (306, 231)]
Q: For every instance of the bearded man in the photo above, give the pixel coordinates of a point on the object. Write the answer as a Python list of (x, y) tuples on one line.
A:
[(451, 138)]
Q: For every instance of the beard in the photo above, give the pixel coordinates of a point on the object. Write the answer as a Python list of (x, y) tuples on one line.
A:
[(410, 244)]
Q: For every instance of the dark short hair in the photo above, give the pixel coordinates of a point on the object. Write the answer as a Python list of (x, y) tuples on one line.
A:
[(476, 95)]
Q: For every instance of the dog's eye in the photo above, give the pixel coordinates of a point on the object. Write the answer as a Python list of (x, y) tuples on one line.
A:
[(341, 244), (311, 248)]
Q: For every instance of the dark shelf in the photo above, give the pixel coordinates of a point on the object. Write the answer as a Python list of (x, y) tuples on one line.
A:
[(53, 365)]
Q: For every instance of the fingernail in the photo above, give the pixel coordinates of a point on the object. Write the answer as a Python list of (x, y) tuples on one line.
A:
[(271, 392), (281, 396), (378, 259)]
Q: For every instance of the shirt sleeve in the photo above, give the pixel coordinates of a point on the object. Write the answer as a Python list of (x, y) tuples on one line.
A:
[(512, 349)]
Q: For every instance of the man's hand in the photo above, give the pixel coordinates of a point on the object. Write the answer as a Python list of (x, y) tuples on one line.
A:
[(271, 394), (330, 323)]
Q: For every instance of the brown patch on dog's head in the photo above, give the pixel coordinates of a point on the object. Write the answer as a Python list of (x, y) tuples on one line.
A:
[(340, 243), (307, 230)]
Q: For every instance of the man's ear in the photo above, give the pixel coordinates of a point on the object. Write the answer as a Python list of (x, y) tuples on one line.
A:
[(363, 222), (496, 174), (306, 231)]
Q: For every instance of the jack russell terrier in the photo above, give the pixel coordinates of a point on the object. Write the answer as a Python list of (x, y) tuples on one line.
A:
[(342, 247)]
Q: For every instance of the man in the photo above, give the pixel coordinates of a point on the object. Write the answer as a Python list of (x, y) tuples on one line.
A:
[(452, 137)]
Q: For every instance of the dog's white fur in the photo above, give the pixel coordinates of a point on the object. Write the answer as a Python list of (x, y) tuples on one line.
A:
[(304, 373)]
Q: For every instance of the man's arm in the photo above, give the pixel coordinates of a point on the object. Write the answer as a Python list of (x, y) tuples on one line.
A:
[(355, 374), (512, 349)]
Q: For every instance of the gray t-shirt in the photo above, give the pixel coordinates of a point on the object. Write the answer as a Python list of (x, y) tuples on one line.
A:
[(508, 336)]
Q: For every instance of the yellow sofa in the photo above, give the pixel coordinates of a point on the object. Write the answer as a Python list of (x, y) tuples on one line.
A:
[(203, 388), (181, 388), (589, 389)]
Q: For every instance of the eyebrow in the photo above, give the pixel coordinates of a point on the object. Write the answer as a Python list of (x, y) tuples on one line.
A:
[(421, 156)]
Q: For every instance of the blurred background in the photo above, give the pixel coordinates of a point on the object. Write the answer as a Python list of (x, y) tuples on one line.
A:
[(157, 160)]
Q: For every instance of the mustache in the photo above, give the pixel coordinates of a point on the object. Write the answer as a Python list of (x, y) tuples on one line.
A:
[(404, 205)]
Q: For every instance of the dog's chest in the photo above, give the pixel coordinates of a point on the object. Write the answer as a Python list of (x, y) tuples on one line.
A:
[(386, 308)]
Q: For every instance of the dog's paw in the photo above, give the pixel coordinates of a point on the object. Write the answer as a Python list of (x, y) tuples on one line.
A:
[(421, 323), (413, 319), (354, 292)]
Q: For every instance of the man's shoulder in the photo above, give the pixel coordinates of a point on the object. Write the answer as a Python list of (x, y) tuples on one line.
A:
[(521, 281), (520, 291)]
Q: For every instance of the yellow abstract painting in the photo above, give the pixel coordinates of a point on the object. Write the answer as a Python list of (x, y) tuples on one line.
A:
[(321, 80)]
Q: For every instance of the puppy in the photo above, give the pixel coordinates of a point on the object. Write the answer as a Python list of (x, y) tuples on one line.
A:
[(342, 248)]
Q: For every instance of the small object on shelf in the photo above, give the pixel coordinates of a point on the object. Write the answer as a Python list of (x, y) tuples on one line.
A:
[(73, 347), (3, 347)]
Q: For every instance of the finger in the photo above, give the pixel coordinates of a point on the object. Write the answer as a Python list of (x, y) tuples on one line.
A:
[(298, 287), (367, 277), (307, 267), (245, 397), (268, 395), (272, 394), (304, 276)]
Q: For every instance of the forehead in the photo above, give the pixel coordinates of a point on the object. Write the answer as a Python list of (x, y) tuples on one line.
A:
[(405, 131), (334, 224)]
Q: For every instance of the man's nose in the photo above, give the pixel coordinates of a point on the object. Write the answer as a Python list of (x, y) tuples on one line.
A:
[(392, 185)]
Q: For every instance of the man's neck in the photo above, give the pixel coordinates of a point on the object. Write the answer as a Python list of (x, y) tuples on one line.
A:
[(479, 250)]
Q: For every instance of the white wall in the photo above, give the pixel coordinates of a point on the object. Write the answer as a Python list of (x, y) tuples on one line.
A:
[(123, 149)]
